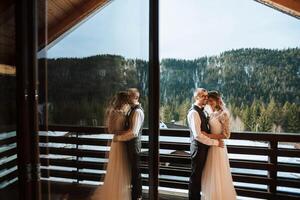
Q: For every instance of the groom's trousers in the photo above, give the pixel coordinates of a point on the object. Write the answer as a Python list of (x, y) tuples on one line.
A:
[(133, 152), (198, 159)]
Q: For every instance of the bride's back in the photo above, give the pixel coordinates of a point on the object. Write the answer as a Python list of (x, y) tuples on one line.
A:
[(116, 121)]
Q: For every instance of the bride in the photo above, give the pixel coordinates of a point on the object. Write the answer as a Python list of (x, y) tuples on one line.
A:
[(117, 180), (217, 181)]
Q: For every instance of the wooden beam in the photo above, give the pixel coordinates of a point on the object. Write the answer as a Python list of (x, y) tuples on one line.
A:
[(290, 7), (78, 14)]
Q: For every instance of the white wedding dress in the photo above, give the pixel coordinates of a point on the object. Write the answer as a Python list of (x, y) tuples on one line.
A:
[(117, 180), (217, 181)]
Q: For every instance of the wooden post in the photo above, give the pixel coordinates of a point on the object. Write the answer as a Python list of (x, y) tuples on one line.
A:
[(43, 87), (27, 100), (153, 98), (273, 160)]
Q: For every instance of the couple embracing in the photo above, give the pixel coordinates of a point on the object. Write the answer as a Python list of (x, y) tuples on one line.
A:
[(208, 121), (210, 164), (124, 119)]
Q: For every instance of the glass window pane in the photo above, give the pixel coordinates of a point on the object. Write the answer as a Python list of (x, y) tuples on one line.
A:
[(247, 51), (87, 65)]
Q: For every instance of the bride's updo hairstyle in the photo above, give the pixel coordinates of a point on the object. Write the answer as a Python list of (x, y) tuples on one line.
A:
[(215, 95), (115, 105), (119, 100)]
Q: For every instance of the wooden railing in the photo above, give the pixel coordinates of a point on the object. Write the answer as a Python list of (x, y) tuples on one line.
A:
[(175, 168), (8, 158)]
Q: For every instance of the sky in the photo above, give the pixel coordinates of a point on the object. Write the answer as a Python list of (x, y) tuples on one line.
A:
[(189, 29)]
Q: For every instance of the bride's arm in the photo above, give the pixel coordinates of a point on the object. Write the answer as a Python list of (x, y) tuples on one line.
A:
[(225, 125), (214, 136), (121, 132)]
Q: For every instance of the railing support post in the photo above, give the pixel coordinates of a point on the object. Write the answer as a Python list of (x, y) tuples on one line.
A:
[(273, 172)]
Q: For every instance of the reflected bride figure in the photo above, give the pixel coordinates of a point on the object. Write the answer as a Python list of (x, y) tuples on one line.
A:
[(217, 181), (117, 181)]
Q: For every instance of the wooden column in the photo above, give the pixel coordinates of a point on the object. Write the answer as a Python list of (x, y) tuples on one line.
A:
[(27, 100), (154, 103), (43, 87)]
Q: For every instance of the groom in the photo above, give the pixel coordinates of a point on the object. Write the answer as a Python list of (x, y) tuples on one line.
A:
[(198, 123), (132, 139)]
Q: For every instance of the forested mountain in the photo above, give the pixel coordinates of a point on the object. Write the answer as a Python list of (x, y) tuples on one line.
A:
[(260, 86), (241, 75)]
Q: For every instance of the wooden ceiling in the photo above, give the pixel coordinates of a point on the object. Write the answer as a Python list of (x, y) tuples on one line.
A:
[(7, 32), (63, 15)]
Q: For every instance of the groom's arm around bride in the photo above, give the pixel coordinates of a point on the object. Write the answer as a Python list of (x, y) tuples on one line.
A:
[(198, 123), (132, 139)]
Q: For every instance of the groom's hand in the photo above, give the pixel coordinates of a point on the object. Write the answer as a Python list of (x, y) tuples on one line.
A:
[(221, 143)]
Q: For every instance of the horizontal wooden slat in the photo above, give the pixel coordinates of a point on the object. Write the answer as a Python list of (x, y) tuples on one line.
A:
[(287, 195), (73, 163), (293, 183), (11, 175), (255, 193), (174, 133), (8, 153), (74, 152), (289, 152), (184, 172), (258, 165), (9, 164), (295, 168), (175, 159), (74, 175), (74, 140), (163, 182), (171, 146), (257, 179), (8, 141), (78, 129), (249, 150), (173, 184), (174, 171)]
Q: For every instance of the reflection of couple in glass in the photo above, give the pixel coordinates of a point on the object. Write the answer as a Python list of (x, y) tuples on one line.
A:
[(124, 119), (208, 121)]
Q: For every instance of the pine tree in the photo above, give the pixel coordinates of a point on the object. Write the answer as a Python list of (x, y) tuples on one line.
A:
[(264, 121), (246, 117), (292, 118), (183, 110), (166, 113)]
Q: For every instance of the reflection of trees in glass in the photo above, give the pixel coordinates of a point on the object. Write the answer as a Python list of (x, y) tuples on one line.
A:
[(260, 86), (79, 88)]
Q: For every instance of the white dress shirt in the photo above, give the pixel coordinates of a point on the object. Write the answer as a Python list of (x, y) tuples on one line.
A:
[(137, 122), (194, 122)]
